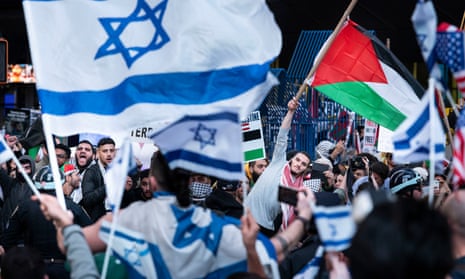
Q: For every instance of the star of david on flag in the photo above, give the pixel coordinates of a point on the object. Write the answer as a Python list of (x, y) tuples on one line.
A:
[(335, 225), (210, 144), (116, 26), (111, 64), (204, 135)]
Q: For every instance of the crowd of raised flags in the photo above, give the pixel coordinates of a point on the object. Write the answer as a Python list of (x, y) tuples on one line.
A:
[(198, 94)]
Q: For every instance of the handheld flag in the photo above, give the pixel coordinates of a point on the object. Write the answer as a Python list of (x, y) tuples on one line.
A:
[(359, 72), (112, 65), (450, 50), (412, 139), (5, 151), (458, 160), (425, 22), (115, 177), (311, 269), (6, 154), (209, 144), (335, 226)]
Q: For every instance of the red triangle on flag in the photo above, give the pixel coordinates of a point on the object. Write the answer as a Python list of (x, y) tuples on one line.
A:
[(351, 57)]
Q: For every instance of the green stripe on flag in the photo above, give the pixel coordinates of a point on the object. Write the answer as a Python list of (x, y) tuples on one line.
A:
[(254, 154), (362, 99)]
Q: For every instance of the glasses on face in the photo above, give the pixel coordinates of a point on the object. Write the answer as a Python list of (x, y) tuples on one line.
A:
[(61, 156)]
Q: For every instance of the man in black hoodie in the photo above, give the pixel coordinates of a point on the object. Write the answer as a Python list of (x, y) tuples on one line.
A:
[(15, 190)]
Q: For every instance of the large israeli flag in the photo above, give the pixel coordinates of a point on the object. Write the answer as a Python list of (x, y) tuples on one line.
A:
[(107, 67), (157, 239), (210, 144)]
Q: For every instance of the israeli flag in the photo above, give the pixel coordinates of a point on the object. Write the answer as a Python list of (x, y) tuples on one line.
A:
[(115, 176), (335, 225), (412, 138), (210, 144), (5, 151), (108, 66), (156, 239), (311, 269)]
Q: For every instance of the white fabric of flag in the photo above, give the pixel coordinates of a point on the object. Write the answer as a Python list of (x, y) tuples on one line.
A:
[(335, 226), (156, 239), (412, 138), (210, 144), (5, 151), (109, 66), (425, 22), (115, 176)]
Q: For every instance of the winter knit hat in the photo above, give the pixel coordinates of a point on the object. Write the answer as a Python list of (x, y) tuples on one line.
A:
[(69, 169)]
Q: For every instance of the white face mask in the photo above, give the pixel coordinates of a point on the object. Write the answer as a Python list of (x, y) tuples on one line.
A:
[(200, 191)]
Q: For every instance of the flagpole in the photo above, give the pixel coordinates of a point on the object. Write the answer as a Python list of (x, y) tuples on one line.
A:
[(106, 260), (463, 21), (53, 163), (325, 48), (444, 118), (432, 142)]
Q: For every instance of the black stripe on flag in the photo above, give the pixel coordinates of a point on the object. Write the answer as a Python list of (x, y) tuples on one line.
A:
[(251, 135)]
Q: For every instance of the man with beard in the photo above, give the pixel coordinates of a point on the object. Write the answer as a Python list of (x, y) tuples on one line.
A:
[(93, 183), (84, 158), (263, 198), (255, 169)]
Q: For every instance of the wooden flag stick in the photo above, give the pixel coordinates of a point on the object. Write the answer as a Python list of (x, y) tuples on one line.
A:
[(325, 48), (463, 21), (444, 118)]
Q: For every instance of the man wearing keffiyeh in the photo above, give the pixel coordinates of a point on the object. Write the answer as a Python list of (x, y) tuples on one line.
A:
[(263, 198)]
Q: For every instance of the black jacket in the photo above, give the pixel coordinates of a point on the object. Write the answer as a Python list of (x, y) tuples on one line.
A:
[(38, 232), (93, 192)]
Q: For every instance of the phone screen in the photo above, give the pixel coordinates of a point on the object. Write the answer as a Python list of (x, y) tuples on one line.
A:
[(287, 195)]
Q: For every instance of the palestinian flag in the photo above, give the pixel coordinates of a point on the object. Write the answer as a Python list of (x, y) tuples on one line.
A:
[(360, 73)]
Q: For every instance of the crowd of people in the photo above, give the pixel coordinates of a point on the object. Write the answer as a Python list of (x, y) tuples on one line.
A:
[(399, 235)]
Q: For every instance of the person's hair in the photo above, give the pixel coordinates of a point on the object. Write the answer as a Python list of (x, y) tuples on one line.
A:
[(381, 169), (89, 143), (145, 173), (22, 262), (65, 148), (405, 239), (252, 163), (104, 141), (365, 186), (176, 182)]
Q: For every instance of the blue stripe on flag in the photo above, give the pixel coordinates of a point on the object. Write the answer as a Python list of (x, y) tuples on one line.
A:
[(230, 116), (199, 159), (2, 147), (331, 215), (183, 88), (160, 266), (123, 235), (336, 242), (411, 132)]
